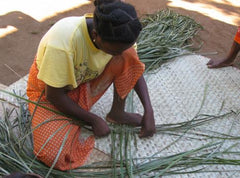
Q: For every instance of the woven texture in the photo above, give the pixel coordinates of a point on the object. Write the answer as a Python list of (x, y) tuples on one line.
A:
[(177, 91)]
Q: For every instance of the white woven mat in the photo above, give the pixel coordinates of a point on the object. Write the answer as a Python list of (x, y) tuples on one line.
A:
[(177, 91)]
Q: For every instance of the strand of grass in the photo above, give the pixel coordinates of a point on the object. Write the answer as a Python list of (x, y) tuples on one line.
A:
[(20, 158), (21, 128), (163, 162), (200, 171), (232, 175), (179, 127), (127, 157), (215, 117), (32, 102), (31, 131), (35, 171), (206, 160), (170, 36), (128, 138), (59, 152), (10, 135), (177, 31), (34, 166), (17, 164), (169, 166), (21, 123), (47, 141), (35, 109), (121, 154), (206, 135), (130, 154), (198, 112), (23, 158), (82, 123), (113, 154), (76, 134), (194, 161), (187, 128), (205, 171), (193, 123), (4, 172), (218, 148), (11, 140)]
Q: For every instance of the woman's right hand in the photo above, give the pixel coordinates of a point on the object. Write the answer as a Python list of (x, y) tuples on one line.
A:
[(100, 128)]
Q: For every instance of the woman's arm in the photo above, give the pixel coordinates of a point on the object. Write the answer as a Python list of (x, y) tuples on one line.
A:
[(148, 123), (59, 98)]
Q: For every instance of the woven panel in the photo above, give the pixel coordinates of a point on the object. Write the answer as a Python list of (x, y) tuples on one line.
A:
[(19, 88), (179, 91)]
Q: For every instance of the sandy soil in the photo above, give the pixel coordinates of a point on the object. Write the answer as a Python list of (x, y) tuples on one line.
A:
[(17, 49)]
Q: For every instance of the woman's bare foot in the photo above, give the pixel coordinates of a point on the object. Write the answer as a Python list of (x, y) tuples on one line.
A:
[(214, 63), (132, 119)]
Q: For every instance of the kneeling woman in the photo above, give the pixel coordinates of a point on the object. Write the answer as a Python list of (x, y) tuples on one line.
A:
[(77, 60)]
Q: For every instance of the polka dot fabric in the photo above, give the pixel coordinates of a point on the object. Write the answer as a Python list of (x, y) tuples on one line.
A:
[(56, 137)]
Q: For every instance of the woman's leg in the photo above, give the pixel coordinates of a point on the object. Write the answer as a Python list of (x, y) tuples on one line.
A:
[(119, 116), (131, 69)]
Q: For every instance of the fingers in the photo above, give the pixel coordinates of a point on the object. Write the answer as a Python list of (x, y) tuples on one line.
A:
[(101, 134), (144, 133)]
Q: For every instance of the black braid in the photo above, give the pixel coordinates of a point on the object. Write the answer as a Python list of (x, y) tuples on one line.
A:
[(99, 2), (117, 22)]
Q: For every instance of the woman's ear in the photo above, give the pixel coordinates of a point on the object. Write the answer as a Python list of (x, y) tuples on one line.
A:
[(94, 34)]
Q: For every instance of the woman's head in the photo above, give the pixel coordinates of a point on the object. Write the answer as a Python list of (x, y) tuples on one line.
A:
[(99, 2), (116, 22)]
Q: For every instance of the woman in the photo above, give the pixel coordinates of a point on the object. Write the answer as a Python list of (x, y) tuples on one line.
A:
[(227, 61), (77, 60)]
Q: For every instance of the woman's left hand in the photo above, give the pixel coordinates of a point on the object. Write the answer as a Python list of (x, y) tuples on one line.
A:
[(148, 125)]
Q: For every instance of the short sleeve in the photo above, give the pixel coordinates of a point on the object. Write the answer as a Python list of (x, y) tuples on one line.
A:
[(57, 68)]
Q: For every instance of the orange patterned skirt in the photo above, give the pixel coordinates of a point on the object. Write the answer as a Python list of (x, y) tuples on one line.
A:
[(237, 36), (55, 136)]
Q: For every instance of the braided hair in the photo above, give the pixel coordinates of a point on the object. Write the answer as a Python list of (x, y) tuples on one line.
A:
[(99, 2), (117, 22)]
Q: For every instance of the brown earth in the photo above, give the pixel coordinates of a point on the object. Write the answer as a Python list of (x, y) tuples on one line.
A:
[(17, 49)]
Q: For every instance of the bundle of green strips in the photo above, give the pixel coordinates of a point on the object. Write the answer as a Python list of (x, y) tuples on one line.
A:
[(16, 149), (167, 35)]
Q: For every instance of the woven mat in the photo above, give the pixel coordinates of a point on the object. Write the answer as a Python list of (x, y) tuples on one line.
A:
[(179, 90)]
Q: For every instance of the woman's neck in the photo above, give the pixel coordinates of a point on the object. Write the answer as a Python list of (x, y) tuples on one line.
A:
[(90, 29)]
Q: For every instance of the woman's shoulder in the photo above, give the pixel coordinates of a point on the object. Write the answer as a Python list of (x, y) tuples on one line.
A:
[(60, 34), (69, 22)]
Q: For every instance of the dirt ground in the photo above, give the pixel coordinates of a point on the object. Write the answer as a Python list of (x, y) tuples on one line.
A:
[(17, 49)]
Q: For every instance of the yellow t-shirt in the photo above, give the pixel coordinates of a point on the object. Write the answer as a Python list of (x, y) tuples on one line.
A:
[(66, 55)]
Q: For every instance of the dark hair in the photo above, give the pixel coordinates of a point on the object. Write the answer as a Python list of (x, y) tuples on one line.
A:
[(117, 22), (99, 2)]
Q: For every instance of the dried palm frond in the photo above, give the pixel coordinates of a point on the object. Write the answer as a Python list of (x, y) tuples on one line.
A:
[(166, 35)]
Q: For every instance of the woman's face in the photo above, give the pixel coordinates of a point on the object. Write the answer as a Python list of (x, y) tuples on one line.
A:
[(112, 48)]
